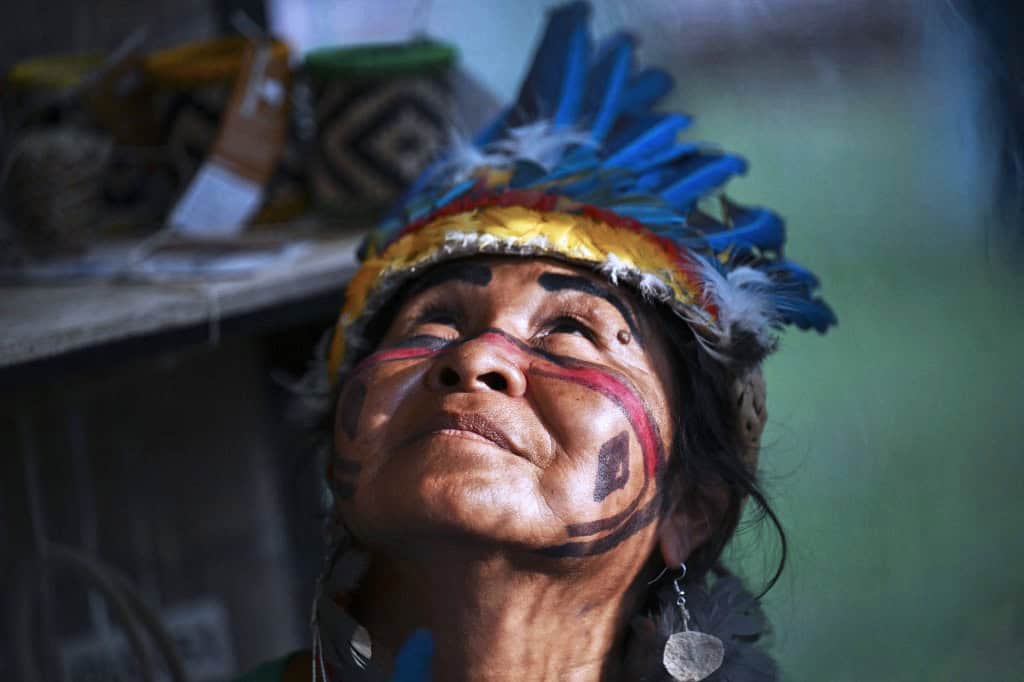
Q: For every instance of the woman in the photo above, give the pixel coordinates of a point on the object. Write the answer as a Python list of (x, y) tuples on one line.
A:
[(545, 400)]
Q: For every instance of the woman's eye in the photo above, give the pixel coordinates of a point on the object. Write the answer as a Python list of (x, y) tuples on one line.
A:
[(569, 325), (447, 320), (444, 318)]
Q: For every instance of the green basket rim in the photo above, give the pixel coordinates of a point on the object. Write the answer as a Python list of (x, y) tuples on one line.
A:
[(380, 60)]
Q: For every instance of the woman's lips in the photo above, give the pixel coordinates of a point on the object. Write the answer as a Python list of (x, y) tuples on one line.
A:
[(473, 423)]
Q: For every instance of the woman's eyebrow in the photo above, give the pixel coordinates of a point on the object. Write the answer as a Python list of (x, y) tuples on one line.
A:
[(554, 281), (470, 273)]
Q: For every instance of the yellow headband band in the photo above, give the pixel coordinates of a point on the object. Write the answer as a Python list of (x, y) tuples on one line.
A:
[(625, 255)]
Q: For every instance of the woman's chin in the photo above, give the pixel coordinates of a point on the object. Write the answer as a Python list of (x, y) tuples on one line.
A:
[(476, 506)]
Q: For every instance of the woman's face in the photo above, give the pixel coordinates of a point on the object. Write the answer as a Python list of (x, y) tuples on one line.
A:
[(513, 402)]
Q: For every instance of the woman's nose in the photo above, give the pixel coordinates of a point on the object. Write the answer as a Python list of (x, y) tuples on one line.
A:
[(475, 366)]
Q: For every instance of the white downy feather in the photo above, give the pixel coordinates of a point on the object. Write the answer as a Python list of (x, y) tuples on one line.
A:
[(539, 142), (743, 300)]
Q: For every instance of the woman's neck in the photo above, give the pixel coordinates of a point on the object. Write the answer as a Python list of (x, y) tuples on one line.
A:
[(493, 621)]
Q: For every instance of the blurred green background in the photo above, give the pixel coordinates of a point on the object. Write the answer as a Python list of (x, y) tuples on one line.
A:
[(893, 451), (894, 447)]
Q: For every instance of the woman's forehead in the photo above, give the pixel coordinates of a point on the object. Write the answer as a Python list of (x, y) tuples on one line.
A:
[(482, 270), (530, 281)]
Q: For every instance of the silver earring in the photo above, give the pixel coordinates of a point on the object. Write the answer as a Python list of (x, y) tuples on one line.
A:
[(690, 656)]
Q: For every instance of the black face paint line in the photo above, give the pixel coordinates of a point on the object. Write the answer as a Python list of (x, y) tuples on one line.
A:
[(351, 407), (457, 271), (420, 341), (554, 281), (636, 522), (612, 467)]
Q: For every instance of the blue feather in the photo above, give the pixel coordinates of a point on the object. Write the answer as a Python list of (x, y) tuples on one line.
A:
[(573, 87), (806, 313), (789, 271), (454, 193), (577, 160), (665, 157), (703, 175), (526, 173), (414, 658), (420, 210), (648, 183), (553, 87), (645, 89), (415, 192), (578, 189), (648, 213), (607, 83), (643, 137), (760, 229)]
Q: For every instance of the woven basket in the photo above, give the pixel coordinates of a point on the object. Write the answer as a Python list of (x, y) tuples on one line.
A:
[(50, 100), (382, 114), (54, 187), (37, 90)]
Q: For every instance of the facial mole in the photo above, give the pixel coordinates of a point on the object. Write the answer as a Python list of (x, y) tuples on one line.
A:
[(624, 337)]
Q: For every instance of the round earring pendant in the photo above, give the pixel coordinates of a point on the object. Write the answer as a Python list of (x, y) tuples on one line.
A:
[(692, 656)]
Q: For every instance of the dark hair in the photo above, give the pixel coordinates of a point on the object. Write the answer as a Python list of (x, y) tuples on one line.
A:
[(708, 446)]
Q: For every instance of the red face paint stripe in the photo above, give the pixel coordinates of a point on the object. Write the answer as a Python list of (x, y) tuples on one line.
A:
[(392, 355), (597, 380), (605, 384)]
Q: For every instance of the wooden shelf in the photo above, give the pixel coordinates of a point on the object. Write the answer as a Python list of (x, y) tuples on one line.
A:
[(46, 321)]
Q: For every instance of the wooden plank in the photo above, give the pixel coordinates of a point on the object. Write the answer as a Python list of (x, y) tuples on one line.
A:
[(40, 322)]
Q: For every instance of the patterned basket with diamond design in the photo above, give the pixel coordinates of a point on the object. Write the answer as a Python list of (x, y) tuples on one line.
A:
[(382, 114)]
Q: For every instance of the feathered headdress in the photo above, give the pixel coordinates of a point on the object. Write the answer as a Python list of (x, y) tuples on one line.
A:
[(581, 168)]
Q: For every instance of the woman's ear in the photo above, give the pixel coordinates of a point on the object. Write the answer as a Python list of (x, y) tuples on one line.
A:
[(690, 522)]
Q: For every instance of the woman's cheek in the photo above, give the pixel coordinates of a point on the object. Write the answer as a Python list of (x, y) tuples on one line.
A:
[(598, 482), (600, 467), (365, 406), (376, 410)]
